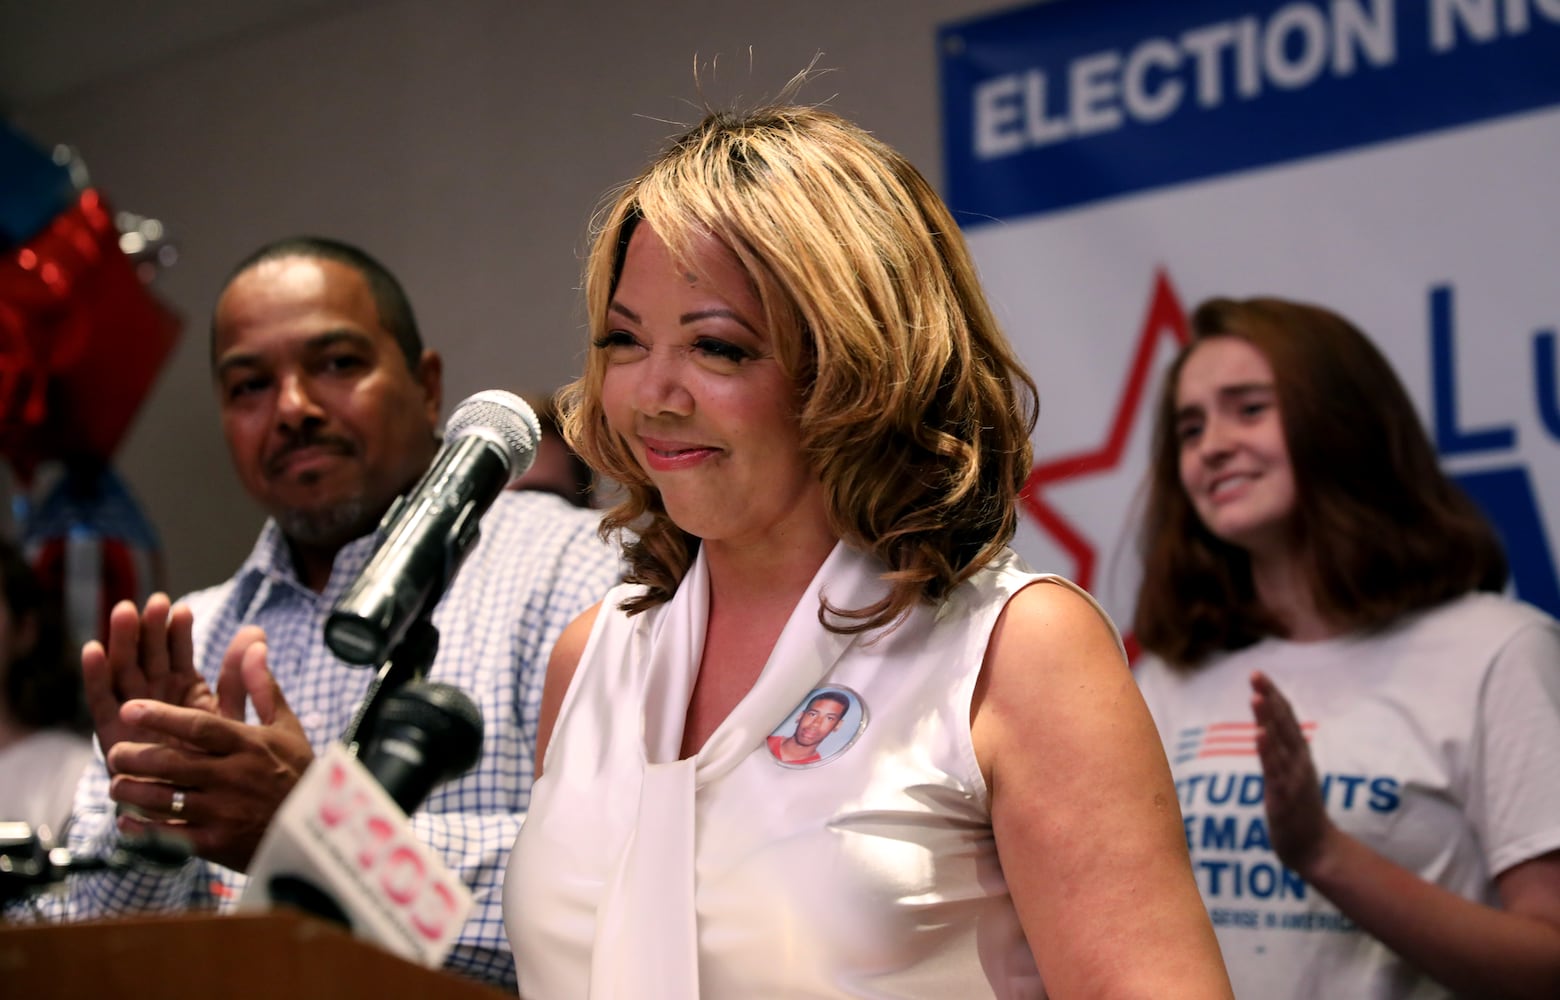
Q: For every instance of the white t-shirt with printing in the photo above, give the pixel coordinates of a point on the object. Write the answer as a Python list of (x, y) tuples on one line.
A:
[(1438, 745)]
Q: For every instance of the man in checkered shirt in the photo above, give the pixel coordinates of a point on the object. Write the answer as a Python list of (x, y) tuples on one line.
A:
[(330, 406)]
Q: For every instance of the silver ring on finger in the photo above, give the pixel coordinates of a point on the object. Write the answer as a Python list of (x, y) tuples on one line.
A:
[(177, 806)]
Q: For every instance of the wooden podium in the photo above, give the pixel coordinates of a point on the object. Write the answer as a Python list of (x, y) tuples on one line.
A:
[(264, 956)]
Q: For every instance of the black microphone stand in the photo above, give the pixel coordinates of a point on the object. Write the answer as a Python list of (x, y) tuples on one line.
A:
[(408, 661)]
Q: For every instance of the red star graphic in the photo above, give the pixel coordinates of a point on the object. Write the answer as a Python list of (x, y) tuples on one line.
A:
[(1165, 317)]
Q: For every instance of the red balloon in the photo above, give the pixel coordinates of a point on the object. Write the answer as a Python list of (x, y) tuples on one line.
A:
[(81, 340)]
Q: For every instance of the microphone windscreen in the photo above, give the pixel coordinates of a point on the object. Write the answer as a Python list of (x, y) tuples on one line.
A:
[(503, 418), (423, 734)]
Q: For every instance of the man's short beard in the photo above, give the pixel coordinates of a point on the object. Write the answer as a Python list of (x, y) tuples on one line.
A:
[(327, 527)]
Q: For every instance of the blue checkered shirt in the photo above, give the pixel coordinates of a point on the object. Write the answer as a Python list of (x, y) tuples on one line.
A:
[(539, 564)]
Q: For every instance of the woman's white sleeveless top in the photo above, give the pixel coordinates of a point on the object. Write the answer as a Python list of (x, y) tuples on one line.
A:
[(872, 872)]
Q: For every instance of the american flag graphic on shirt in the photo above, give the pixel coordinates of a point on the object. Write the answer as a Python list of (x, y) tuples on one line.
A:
[(1222, 739)]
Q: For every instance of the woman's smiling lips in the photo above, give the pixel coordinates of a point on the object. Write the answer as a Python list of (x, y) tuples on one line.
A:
[(1227, 486), (666, 456)]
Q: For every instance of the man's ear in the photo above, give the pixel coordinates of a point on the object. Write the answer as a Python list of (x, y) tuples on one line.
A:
[(430, 375)]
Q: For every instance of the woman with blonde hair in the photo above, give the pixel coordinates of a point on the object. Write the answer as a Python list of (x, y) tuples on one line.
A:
[(821, 434)]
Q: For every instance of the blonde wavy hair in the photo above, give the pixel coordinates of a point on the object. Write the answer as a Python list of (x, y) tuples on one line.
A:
[(913, 408)]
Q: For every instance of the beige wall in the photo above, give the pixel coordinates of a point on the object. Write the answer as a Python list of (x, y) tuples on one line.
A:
[(465, 143)]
